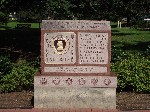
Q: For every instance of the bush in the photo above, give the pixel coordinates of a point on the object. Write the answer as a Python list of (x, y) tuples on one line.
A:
[(140, 24), (36, 62), (132, 69), (28, 16), (20, 78), (5, 66), (3, 18)]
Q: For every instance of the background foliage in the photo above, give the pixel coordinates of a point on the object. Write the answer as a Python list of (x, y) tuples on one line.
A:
[(3, 18), (132, 69), (78, 9), (16, 76)]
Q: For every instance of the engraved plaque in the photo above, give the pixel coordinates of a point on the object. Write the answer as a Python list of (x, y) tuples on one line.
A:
[(59, 48), (76, 69), (75, 47), (93, 48)]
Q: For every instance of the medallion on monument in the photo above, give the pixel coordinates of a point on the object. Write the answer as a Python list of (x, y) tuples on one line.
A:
[(59, 48), (60, 44)]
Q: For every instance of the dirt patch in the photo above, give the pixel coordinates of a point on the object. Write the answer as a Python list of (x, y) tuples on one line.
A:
[(133, 101), (125, 100), (22, 99)]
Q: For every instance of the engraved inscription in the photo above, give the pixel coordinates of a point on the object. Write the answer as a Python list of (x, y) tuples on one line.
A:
[(75, 25), (59, 48), (93, 48), (76, 69)]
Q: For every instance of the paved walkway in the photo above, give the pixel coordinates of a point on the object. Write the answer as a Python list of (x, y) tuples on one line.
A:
[(66, 110)]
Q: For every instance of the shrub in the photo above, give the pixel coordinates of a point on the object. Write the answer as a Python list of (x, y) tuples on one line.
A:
[(36, 62), (20, 78), (140, 24), (133, 71), (5, 66), (3, 18)]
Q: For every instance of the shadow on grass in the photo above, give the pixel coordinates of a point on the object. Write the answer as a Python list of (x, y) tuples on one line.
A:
[(140, 46), (114, 31), (122, 34), (118, 33), (25, 43), (114, 26), (142, 29), (4, 27)]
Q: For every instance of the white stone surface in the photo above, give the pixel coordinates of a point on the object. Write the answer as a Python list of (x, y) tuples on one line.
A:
[(76, 69), (61, 98), (93, 48), (75, 81), (67, 56)]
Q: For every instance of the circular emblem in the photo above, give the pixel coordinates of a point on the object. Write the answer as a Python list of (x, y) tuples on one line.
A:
[(60, 44)]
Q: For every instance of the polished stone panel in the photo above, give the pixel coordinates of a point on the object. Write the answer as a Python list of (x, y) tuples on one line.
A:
[(93, 48), (59, 48)]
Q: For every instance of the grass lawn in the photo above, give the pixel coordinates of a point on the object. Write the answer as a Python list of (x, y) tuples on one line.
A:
[(11, 25), (130, 38)]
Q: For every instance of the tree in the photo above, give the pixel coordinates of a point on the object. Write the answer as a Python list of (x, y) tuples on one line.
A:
[(133, 9), (58, 9), (3, 18), (79, 9)]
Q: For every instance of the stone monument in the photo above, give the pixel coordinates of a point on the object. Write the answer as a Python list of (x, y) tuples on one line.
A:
[(75, 66)]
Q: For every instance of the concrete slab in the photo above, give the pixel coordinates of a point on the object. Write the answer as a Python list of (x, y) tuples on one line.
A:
[(62, 97)]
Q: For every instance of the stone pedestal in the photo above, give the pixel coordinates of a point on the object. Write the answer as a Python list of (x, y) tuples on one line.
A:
[(56, 92), (75, 98), (75, 66)]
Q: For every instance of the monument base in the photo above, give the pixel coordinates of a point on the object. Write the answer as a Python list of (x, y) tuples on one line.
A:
[(46, 96)]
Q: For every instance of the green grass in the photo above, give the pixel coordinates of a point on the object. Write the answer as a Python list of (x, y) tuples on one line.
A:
[(130, 38), (11, 25)]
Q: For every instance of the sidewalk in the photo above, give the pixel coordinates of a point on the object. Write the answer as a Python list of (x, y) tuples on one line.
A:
[(66, 110)]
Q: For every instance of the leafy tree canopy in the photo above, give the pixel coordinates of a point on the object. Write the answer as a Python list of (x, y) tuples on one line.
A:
[(79, 9)]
